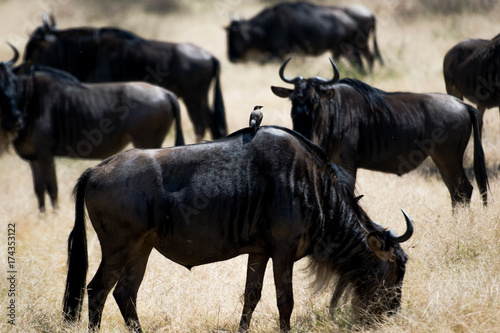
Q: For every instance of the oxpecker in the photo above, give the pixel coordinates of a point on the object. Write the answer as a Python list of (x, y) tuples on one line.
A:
[(256, 118)]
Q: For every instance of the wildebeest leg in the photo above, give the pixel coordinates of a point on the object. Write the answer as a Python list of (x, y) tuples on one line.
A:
[(256, 269), (44, 177), (356, 61), (282, 269), (107, 274), (125, 292), (369, 57), (200, 113), (454, 177)]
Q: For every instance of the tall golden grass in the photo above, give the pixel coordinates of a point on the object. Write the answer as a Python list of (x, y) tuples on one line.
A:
[(453, 276)]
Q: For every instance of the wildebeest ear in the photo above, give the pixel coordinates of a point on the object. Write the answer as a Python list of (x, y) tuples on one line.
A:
[(327, 92), (377, 246), (281, 92)]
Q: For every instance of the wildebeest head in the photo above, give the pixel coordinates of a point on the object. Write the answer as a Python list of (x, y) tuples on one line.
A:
[(306, 97), (10, 116), (380, 293), (41, 39), (238, 39), (372, 274)]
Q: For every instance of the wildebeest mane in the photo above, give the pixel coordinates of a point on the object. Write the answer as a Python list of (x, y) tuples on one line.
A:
[(373, 96)]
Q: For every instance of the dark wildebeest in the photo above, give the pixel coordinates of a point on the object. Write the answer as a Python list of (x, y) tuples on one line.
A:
[(110, 55), (271, 194), (304, 28), (363, 127), (63, 117), (471, 69)]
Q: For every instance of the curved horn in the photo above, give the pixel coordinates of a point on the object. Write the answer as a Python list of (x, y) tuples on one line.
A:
[(336, 74), (16, 55), (282, 73), (394, 238), (53, 24)]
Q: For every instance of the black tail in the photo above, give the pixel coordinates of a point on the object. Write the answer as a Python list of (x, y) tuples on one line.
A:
[(179, 137), (479, 161), (219, 127), (375, 45), (77, 256)]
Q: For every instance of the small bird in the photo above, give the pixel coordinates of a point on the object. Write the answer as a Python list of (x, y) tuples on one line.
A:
[(256, 118)]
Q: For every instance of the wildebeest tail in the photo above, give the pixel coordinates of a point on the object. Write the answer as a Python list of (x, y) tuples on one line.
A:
[(219, 127), (375, 45), (479, 160), (77, 256), (179, 137)]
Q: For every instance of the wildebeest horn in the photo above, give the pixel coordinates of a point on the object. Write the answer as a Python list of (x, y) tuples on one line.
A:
[(282, 74), (46, 24), (394, 238), (16, 55), (336, 74), (53, 24)]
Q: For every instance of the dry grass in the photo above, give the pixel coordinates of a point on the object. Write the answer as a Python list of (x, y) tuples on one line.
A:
[(452, 283)]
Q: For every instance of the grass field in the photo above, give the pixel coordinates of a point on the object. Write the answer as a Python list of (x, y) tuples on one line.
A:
[(453, 276)]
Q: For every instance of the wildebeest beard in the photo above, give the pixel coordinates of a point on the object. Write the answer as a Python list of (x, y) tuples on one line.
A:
[(343, 259)]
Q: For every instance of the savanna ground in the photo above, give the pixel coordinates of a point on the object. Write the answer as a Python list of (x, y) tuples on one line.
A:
[(453, 276)]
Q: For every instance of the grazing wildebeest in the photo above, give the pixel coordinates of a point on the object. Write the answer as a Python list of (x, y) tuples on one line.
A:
[(271, 194), (63, 117), (471, 69), (304, 28), (110, 55), (363, 127)]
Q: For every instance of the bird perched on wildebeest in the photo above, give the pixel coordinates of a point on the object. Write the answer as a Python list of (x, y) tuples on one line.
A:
[(256, 118)]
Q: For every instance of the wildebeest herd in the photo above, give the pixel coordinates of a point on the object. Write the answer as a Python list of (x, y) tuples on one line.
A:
[(268, 191)]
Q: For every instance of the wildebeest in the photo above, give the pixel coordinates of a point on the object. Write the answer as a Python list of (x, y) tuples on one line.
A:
[(471, 69), (363, 127), (63, 117), (271, 194), (111, 54), (304, 28)]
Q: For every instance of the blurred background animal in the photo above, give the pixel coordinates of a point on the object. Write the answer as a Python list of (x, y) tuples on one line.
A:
[(112, 54), (471, 69), (304, 28)]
